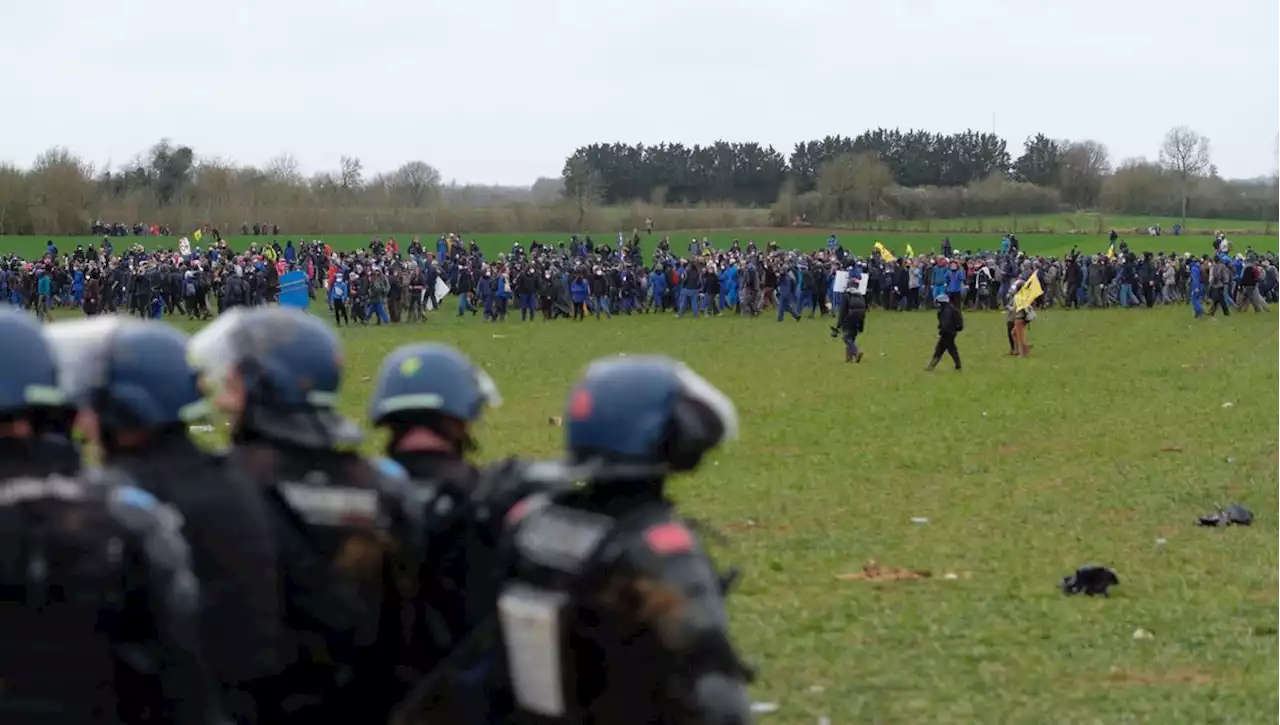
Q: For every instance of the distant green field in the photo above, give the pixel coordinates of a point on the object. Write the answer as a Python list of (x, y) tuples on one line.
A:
[(1079, 223), (859, 242), (1102, 447)]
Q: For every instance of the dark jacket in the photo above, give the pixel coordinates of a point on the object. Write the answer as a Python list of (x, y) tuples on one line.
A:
[(950, 321)]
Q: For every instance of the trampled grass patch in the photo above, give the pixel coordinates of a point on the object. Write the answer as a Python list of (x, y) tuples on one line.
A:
[(804, 239), (1103, 447)]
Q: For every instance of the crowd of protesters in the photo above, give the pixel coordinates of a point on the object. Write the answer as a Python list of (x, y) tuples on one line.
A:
[(386, 283)]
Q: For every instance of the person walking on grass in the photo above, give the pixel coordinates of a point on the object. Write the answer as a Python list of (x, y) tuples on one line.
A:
[(1017, 321), (950, 324), (854, 322)]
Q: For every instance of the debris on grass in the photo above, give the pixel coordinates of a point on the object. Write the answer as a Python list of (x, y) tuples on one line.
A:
[(1228, 404), (1161, 541), (1141, 633), (1233, 515), (555, 420), (764, 708), (873, 572), (1170, 449), (919, 520), (1090, 580)]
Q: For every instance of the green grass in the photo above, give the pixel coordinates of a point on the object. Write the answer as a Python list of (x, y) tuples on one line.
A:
[(1111, 437), (1087, 223), (809, 239)]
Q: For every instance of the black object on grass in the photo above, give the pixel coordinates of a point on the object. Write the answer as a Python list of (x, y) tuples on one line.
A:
[(1090, 580), (1233, 515)]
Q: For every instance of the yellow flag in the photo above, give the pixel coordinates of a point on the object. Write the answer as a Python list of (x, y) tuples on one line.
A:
[(1030, 292), (196, 235), (884, 253), (1111, 252), (910, 252)]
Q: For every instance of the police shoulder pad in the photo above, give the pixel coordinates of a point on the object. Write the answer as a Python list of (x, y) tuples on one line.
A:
[(669, 538), (15, 491), (391, 469)]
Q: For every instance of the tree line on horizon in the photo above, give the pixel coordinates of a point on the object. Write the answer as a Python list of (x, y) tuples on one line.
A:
[(894, 174), (876, 176)]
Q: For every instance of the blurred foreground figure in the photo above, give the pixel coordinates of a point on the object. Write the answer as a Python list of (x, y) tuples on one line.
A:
[(137, 397), (98, 603), (274, 372), (609, 611), (428, 397)]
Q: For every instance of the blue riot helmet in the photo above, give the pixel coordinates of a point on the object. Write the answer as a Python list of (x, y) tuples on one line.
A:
[(427, 385), (28, 370), (649, 412), (132, 374), (275, 371), (32, 406)]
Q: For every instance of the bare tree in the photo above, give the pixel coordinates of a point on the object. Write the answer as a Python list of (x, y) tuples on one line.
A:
[(582, 186), (546, 190), (854, 183), (1083, 166), (350, 173), (283, 169), (417, 181), (1275, 178), (14, 200), (1186, 154)]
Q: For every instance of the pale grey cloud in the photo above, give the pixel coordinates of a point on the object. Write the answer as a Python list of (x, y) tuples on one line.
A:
[(502, 90)]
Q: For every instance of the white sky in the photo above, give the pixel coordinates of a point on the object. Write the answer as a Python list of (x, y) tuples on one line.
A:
[(501, 91)]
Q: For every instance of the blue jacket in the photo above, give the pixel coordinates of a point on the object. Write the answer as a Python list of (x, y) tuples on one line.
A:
[(338, 291)]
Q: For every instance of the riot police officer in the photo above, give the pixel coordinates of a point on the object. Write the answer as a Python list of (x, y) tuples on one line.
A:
[(612, 612), (274, 372), (49, 448), (427, 397), (98, 604), (609, 610), (138, 396)]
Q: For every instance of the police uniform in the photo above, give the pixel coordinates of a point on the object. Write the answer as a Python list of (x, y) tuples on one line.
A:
[(612, 612), (427, 395), (98, 603), (325, 506), (609, 610), (134, 377), (100, 608)]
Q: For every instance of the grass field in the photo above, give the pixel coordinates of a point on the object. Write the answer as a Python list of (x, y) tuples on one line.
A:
[(1088, 223), (806, 239), (1102, 448)]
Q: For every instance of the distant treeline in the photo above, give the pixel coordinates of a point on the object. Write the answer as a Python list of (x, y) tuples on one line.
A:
[(890, 174), (170, 185), (879, 179)]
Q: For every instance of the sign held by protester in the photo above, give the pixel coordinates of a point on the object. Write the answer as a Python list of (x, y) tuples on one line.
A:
[(1030, 292), (293, 290)]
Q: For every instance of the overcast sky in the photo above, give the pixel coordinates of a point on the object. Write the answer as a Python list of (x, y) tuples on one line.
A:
[(501, 91)]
